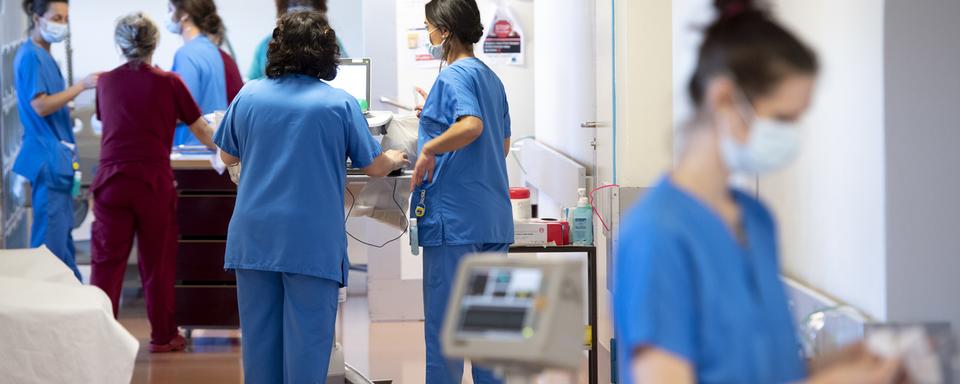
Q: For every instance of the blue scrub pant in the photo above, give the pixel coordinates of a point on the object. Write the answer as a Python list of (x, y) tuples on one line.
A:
[(287, 322), (439, 271), (53, 222)]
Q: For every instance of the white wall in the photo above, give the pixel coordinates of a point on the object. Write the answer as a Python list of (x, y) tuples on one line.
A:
[(93, 21), (565, 90), (379, 31), (644, 52), (247, 22), (348, 18), (517, 80), (14, 22), (831, 203), (689, 19)]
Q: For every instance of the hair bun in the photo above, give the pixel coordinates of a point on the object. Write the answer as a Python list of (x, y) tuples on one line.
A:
[(212, 24), (136, 36), (477, 34)]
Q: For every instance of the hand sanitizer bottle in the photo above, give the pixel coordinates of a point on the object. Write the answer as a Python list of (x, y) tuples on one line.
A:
[(582, 226)]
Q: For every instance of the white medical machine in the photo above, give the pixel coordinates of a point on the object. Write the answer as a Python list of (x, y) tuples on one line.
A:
[(518, 316)]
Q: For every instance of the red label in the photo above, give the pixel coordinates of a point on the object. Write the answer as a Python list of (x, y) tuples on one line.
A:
[(502, 28)]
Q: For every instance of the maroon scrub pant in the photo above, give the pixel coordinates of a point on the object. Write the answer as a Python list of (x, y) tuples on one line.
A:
[(124, 206)]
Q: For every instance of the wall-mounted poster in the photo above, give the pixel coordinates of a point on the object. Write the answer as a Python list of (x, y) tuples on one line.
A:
[(503, 43), (418, 39)]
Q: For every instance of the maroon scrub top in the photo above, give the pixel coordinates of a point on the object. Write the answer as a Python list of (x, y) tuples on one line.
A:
[(139, 106), (232, 74)]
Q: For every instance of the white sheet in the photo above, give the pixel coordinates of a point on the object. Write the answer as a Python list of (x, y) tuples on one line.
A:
[(55, 330), (35, 264)]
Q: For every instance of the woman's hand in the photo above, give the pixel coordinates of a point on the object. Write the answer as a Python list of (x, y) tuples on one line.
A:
[(46, 105), (388, 161), (857, 365), (399, 159), (426, 163), (419, 107), (90, 82)]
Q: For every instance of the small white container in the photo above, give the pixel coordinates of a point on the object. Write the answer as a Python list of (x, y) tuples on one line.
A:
[(520, 200)]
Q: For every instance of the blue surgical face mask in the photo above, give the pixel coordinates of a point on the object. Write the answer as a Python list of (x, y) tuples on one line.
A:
[(771, 146), (173, 26), (53, 32), (436, 51)]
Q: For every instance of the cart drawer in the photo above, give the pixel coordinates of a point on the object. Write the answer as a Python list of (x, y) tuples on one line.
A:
[(202, 261), (205, 216), (207, 306)]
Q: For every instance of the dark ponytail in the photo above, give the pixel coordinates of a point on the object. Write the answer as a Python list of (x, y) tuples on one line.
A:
[(203, 13), (37, 8), (746, 43), (459, 17)]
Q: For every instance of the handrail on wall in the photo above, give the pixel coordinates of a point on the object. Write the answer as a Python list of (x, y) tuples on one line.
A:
[(552, 173)]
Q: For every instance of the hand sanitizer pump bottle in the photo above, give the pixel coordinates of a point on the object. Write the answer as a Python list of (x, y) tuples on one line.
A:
[(582, 227)]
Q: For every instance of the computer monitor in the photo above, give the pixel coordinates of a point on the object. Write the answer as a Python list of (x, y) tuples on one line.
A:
[(353, 76)]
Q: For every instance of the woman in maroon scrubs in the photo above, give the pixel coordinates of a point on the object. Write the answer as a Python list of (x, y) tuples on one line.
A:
[(140, 106)]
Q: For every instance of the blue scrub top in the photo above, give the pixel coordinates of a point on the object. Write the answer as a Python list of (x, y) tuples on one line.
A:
[(683, 284), (293, 136), (468, 201), (200, 66), (37, 73)]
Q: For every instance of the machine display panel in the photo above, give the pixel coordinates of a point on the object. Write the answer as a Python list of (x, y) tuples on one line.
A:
[(500, 301)]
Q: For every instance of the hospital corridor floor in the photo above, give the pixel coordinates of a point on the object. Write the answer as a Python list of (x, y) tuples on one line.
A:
[(381, 350), (392, 350)]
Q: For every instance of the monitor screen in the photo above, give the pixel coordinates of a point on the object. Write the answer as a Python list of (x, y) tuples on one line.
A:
[(353, 76), (500, 300)]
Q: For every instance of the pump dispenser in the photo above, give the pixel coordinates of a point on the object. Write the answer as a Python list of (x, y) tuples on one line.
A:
[(582, 227)]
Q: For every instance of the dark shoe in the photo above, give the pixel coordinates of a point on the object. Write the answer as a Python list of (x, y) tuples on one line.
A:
[(177, 344)]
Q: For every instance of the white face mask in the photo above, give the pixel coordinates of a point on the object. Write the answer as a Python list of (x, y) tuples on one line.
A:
[(173, 26), (771, 146), (436, 51), (53, 32)]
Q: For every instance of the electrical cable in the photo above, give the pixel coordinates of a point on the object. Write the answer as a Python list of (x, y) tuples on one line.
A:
[(595, 211), (353, 203)]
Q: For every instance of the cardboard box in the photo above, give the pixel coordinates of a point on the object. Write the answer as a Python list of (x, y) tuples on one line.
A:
[(538, 232)]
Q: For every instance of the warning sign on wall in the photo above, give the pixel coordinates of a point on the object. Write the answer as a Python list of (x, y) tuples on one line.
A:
[(503, 43)]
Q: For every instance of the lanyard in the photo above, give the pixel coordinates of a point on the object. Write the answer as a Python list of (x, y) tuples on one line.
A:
[(421, 209)]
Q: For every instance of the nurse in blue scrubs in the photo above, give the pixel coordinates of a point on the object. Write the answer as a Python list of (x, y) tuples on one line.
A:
[(198, 61), (48, 154), (287, 240), (698, 295), (461, 192), (258, 68)]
